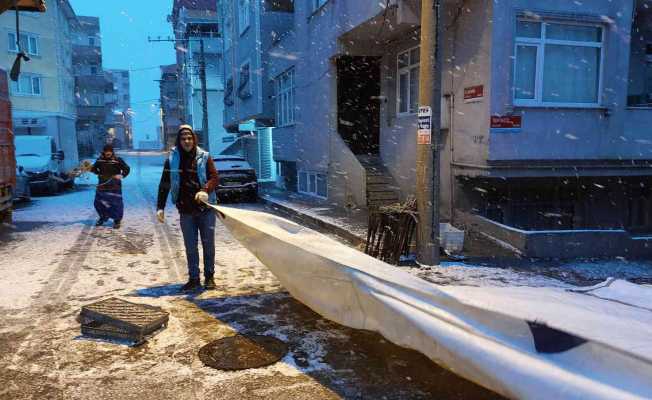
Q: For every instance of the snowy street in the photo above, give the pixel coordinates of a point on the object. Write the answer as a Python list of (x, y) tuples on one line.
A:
[(55, 260)]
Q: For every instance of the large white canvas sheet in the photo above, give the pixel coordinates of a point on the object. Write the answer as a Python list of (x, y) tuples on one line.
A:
[(482, 333)]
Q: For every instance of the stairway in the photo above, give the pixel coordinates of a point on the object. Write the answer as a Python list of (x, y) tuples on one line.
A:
[(381, 188)]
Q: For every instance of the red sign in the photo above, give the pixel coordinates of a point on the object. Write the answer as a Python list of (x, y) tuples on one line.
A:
[(506, 122), (474, 92)]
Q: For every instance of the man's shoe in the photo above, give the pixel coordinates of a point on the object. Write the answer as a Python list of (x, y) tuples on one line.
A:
[(209, 283), (100, 221), (116, 224), (191, 285)]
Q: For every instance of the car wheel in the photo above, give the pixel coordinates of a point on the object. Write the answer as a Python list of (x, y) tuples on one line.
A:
[(252, 196), (6, 216), (53, 185)]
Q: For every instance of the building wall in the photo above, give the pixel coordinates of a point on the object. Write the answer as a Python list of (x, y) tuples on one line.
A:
[(253, 45), (191, 82), (54, 107), (574, 133)]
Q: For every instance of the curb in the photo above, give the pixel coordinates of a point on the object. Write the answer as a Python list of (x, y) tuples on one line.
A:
[(324, 226)]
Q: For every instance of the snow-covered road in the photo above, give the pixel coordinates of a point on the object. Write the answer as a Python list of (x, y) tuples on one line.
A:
[(54, 260)]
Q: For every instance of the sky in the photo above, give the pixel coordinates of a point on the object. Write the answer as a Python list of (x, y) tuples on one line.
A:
[(125, 26)]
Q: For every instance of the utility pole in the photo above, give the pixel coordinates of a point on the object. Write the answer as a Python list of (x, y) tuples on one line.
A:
[(202, 77), (204, 94), (428, 134)]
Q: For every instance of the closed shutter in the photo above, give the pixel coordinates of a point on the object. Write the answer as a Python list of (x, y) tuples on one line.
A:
[(266, 164)]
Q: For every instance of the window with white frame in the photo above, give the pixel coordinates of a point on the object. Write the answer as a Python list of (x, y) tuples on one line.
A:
[(313, 183), (243, 14), (28, 43), (27, 84), (285, 92), (316, 4), (407, 99), (557, 63)]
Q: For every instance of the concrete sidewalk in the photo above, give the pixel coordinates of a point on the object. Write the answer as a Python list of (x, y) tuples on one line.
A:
[(350, 225)]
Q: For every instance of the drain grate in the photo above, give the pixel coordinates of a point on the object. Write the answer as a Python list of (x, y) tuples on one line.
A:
[(114, 318), (243, 352)]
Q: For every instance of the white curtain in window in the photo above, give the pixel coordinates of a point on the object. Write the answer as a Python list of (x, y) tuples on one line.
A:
[(571, 74), (403, 92), (525, 73)]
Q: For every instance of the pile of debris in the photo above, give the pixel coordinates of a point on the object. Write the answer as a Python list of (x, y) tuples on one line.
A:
[(391, 229)]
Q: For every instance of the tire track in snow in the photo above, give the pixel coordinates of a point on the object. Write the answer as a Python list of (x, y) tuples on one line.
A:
[(167, 242), (61, 280), (58, 285)]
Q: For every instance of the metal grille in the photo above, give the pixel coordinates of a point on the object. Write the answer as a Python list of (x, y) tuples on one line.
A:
[(119, 319)]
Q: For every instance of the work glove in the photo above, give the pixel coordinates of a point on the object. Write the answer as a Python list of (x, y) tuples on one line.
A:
[(201, 197), (160, 216)]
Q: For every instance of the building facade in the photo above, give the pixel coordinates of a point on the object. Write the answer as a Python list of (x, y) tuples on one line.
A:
[(170, 107), (119, 116), (545, 110), (250, 28), (195, 25), (92, 88), (43, 101)]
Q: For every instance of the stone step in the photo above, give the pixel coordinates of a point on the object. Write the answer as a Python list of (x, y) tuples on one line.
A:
[(378, 179), (382, 196), (381, 187)]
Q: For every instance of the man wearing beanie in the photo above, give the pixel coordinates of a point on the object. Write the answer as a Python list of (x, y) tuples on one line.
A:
[(189, 174)]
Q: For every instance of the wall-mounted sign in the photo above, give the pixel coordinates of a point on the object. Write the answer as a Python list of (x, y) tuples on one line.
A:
[(473, 93), (424, 123), (506, 124)]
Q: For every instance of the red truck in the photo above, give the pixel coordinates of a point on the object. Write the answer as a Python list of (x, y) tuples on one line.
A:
[(7, 156)]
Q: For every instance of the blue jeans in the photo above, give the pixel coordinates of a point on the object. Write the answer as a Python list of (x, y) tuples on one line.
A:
[(204, 224)]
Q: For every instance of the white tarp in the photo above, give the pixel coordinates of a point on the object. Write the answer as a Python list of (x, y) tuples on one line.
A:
[(483, 334)]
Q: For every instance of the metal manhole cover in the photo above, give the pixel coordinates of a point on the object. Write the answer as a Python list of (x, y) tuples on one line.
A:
[(243, 352)]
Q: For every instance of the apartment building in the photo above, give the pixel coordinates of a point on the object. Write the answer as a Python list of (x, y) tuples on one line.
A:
[(43, 101)]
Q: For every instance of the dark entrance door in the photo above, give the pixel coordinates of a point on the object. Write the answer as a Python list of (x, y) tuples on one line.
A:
[(358, 107)]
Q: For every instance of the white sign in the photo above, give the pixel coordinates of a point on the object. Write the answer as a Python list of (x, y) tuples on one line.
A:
[(424, 125)]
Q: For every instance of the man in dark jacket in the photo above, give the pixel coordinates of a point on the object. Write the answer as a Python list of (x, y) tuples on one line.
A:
[(108, 196), (190, 176)]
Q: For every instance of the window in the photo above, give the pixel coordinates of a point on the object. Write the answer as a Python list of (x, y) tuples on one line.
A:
[(245, 78), (243, 15), (284, 95), (228, 92), (28, 43), (408, 82), (313, 183), (27, 84), (317, 4), (96, 100), (279, 6), (91, 41), (557, 64), (93, 70)]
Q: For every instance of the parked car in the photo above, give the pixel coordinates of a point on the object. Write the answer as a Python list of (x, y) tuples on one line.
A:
[(42, 163), (237, 179), (22, 192)]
